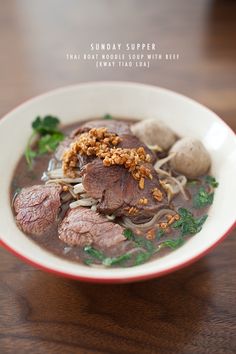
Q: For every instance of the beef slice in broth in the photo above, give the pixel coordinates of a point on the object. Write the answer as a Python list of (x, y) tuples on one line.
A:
[(117, 191), (37, 207), (122, 129), (82, 226)]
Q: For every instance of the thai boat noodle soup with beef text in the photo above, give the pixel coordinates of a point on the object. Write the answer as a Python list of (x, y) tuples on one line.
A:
[(109, 192)]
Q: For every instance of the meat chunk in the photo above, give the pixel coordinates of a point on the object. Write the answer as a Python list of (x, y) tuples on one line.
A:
[(122, 129), (116, 127), (118, 192), (128, 140), (36, 208), (82, 227), (113, 126)]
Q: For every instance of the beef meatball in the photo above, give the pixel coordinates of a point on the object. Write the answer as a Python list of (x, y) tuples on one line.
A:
[(191, 158), (154, 132)]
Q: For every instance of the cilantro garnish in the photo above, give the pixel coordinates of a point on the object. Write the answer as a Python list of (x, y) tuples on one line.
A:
[(48, 124), (187, 224), (115, 260), (107, 261), (49, 142), (144, 243), (173, 243), (46, 137), (94, 253), (142, 257), (107, 116), (88, 261), (202, 198), (211, 181), (159, 234), (128, 234)]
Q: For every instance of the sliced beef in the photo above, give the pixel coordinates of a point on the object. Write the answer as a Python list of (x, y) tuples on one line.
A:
[(128, 141), (117, 191), (82, 227), (36, 208), (113, 126)]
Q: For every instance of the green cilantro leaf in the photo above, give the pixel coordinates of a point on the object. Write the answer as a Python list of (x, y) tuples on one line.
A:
[(192, 182), (143, 242), (159, 234), (115, 260), (94, 253), (202, 198), (48, 124), (88, 261), (173, 243), (107, 261), (211, 181), (45, 136), (107, 116), (30, 155), (142, 257), (187, 224), (48, 143), (128, 234)]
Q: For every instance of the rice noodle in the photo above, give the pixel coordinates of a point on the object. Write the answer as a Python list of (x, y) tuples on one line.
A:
[(94, 207), (78, 188), (182, 179), (57, 173), (65, 180), (161, 162), (111, 217), (162, 172), (44, 177), (84, 196), (52, 164), (179, 182), (128, 223), (155, 148), (83, 202)]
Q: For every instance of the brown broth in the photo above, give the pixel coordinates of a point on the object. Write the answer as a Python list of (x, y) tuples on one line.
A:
[(49, 240)]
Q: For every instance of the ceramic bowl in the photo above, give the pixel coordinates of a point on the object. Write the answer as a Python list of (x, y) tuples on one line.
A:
[(122, 99)]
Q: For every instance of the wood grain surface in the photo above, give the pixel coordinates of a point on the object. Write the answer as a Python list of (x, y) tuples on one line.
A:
[(189, 311)]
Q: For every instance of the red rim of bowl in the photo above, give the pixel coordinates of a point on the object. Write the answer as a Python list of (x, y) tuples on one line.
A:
[(113, 280), (118, 280)]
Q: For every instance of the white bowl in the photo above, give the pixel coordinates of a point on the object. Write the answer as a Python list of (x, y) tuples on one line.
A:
[(122, 99)]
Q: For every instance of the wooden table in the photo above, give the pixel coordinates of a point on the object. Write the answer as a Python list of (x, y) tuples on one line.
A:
[(190, 311)]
